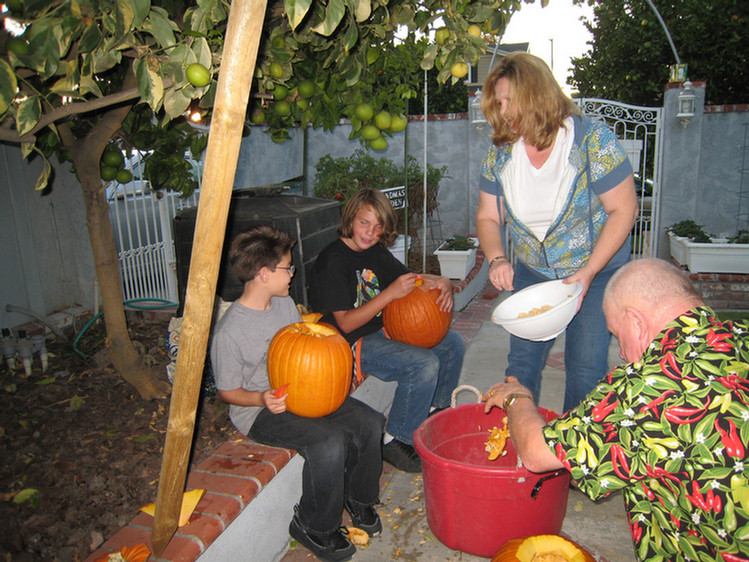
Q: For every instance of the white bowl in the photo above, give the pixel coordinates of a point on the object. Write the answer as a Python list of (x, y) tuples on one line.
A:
[(547, 325)]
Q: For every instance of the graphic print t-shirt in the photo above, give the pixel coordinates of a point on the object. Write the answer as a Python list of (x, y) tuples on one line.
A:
[(343, 279)]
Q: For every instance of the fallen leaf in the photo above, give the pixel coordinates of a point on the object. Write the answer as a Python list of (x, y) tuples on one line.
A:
[(190, 500)]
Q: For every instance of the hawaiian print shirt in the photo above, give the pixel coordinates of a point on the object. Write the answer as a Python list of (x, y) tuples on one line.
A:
[(670, 431)]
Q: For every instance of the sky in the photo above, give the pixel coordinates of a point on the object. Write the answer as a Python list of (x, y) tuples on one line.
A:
[(558, 21)]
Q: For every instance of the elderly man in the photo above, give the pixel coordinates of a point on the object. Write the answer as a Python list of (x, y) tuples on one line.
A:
[(668, 429)]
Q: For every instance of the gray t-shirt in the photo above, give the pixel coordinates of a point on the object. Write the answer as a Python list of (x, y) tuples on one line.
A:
[(239, 351)]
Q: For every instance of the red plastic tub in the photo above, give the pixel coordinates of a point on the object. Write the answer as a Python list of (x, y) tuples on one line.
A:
[(476, 505)]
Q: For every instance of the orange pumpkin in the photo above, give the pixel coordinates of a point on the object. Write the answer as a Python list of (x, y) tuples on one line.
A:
[(315, 361), (416, 319), (550, 548), (136, 553)]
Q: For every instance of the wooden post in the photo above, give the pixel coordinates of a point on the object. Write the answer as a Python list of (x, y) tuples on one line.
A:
[(244, 27)]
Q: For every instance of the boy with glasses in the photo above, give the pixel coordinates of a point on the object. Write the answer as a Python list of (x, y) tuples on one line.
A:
[(341, 450)]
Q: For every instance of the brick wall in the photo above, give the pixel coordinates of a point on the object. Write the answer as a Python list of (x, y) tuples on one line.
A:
[(722, 291)]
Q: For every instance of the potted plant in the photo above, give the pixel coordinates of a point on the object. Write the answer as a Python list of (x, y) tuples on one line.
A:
[(691, 246), (457, 256)]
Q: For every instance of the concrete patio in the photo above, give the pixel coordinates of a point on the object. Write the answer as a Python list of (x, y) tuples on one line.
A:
[(601, 527)]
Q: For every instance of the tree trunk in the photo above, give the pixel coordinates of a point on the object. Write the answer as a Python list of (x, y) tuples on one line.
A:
[(86, 153)]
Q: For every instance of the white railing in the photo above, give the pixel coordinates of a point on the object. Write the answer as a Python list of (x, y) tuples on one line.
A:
[(142, 223)]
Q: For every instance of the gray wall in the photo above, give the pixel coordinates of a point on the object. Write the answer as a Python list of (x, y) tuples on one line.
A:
[(702, 167), (45, 255), (451, 141)]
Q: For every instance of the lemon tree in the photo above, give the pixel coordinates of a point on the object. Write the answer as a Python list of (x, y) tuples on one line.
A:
[(125, 65)]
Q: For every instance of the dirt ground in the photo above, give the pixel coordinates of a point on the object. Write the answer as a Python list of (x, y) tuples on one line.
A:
[(84, 447)]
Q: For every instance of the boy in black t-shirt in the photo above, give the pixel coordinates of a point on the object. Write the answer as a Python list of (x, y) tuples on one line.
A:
[(352, 281)]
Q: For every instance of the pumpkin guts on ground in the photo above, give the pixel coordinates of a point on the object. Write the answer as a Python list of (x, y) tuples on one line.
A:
[(669, 428)]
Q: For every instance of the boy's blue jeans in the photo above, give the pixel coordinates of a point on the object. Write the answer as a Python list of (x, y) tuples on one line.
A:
[(426, 377), (586, 345), (342, 453)]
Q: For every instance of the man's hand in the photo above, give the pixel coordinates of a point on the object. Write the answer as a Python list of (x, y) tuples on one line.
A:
[(497, 394)]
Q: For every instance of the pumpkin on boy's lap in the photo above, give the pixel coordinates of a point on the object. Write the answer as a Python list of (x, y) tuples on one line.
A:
[(315, 362), (416, 319)]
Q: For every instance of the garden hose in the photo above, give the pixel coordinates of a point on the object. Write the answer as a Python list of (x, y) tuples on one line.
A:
[(129, 303)]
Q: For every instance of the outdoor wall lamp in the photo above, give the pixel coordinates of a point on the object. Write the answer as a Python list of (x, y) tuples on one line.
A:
[(686, 103), (474, 109)]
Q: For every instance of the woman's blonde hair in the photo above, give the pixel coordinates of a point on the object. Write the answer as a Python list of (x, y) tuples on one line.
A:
[(538, 106), (381, 207)]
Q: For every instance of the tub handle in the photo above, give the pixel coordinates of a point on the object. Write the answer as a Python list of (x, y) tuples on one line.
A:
[(462, 387), (537, 487)]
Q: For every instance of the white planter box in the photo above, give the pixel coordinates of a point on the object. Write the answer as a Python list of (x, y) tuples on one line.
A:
[(398, 249), (718, 257), (456, 264)]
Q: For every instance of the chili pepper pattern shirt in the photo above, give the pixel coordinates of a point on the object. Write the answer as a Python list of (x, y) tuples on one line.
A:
[(670, 432)]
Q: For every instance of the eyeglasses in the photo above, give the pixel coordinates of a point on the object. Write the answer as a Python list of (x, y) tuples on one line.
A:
[(291, 269)]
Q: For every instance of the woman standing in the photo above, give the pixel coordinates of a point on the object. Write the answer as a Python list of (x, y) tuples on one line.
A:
[(564, 186)]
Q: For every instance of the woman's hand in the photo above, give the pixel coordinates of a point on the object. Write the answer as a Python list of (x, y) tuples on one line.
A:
[(501, 274), (585, 277)]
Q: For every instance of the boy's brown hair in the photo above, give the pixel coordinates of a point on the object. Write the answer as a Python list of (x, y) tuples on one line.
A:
[(256, 248), (381, 207)]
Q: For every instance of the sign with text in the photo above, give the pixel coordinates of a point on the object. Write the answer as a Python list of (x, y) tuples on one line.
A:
[(397, 196)]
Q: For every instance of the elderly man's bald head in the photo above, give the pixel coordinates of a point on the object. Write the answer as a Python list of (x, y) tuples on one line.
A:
[(643, 297), (653, 283)]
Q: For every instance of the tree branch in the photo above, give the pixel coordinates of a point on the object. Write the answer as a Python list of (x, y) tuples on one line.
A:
[(11, 135)]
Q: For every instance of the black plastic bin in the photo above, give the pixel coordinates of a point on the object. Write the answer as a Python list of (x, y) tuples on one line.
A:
[(311, 221)]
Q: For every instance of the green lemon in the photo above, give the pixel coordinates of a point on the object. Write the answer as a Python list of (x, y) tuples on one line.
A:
[(441, 35), (370, 132), (398, 123), (383, 120), (282, 108), (108, 173), (113, 158), (124, 176), (17, 46), (474, 30), (307, 88), (276, 70), (364, 111), (379, 143), (280, 92), (258, 116), (198, 75), (459, 69)]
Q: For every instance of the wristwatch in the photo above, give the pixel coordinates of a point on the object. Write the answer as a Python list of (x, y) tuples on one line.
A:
[(511, 398)]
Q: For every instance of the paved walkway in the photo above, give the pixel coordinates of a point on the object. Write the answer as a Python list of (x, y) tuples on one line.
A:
[(601, 527)]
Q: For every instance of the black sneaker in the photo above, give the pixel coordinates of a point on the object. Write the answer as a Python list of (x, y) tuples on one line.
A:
[(401, 456), (364, 516), (334, 547)]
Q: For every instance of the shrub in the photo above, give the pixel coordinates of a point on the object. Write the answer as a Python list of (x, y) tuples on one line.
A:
[(339, 178)]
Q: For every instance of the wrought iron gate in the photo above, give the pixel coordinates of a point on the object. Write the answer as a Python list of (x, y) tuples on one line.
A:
[(639, 131), (142, 224)]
